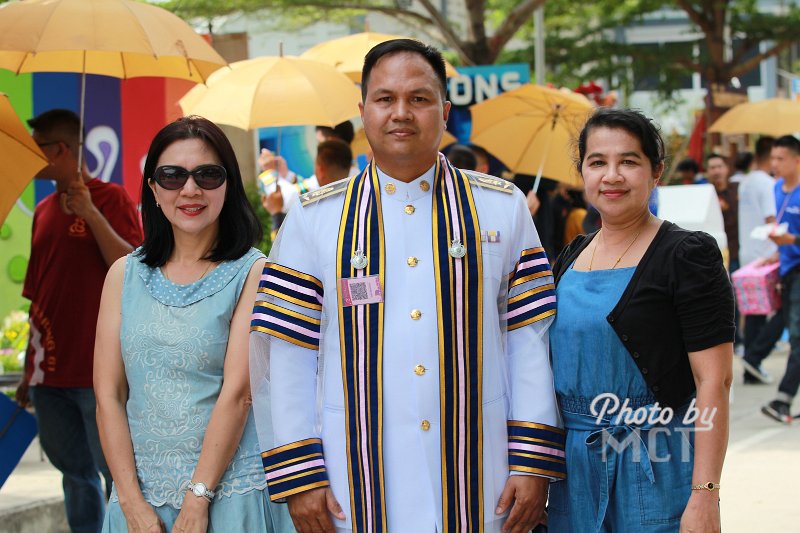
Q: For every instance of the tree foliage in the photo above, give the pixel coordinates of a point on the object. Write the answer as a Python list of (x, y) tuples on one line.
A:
[(586, 41), (489, 27)]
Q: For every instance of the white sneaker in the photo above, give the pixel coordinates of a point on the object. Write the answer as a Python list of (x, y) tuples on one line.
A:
[(757, 372)]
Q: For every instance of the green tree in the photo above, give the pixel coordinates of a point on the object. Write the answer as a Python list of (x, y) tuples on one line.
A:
[(585, 41), (489, 26)]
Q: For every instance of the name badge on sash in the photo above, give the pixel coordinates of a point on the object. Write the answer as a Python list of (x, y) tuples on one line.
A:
[(359, 291)]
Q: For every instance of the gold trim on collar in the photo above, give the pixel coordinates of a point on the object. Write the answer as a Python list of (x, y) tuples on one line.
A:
[(326, 191), (490, 182)]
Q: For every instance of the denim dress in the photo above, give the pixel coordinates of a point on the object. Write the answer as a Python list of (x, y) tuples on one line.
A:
[(630, 474), (174, 340)]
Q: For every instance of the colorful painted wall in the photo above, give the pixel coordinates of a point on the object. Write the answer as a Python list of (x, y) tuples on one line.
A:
[(120, 120)]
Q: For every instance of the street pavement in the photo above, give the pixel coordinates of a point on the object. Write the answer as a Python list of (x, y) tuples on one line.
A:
[(762, 468), (759, 482)]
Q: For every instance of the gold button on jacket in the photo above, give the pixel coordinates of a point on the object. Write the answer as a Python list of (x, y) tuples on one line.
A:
[(410, 210), (419, 370), (425, 425), (415, 314), (412, 261)]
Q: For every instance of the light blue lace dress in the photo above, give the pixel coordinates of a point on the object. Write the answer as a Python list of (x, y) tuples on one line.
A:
[(173, 340)]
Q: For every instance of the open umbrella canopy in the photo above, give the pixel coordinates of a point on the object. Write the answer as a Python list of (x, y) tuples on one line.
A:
[(275, 91), (20, 157), (347, 53), (775, 117), (119, 38), (532, 130)]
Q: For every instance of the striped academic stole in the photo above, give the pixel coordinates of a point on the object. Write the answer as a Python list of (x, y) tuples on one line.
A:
[(459, 276), (459, 288), (361, 348)]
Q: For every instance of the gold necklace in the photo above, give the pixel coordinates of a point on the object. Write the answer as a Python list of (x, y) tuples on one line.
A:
[(195, 281), (594, 248)]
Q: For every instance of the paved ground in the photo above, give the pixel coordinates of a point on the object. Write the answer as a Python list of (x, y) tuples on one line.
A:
[(759, 484), (762, 468), (32, 501)]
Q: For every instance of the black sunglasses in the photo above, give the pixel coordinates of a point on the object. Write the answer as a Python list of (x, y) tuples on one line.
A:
[(172, 177)]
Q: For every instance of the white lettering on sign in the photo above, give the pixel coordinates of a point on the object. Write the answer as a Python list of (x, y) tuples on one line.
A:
[(461, 90), (486, 88), (468, 90), (510, 80)]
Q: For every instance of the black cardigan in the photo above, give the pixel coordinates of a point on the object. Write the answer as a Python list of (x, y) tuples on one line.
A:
[(679, 300)]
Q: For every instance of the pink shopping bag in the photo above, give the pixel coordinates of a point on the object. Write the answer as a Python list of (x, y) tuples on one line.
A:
[(756, 287)]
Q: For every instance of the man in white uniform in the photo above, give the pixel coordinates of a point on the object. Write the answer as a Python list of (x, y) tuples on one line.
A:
[(400, 335)]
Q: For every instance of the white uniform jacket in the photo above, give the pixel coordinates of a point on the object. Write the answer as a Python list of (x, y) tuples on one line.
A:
[(296, 354)]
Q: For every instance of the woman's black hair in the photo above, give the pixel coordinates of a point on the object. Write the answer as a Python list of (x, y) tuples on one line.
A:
[(239, 228), (632, 121)]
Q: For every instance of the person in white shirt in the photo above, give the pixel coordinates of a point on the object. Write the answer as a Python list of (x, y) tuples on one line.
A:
[(741, 166), (756, 208)]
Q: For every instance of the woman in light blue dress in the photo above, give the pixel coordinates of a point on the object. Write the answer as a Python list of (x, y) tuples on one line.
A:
[(641, 345), (171, 359)]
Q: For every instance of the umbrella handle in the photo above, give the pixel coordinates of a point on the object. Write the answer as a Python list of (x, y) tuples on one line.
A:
[(556, 113), (80, 129), (542, 162)]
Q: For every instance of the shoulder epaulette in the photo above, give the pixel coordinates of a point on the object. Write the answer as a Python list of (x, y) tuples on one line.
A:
[(490, 182), (324, 192)]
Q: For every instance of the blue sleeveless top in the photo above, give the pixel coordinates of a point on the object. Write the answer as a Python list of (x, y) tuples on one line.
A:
[(173, 340)]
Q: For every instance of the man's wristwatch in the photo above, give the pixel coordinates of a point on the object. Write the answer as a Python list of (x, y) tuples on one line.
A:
[(707, 486), (200, 490)]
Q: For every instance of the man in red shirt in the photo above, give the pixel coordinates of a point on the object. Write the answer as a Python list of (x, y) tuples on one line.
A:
[(78, 232)]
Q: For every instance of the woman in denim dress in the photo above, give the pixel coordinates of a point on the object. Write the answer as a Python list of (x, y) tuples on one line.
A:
[(641, 344)]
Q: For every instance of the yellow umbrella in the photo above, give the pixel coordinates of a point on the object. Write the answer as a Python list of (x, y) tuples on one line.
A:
[(20, 157), (274, 91), (360, 144), (347, 53), (119, 38), (775, 117), (532, 130)]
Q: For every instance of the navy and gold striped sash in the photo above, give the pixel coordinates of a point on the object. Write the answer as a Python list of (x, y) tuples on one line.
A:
[(459, 289), (460, 304), (361, 345)]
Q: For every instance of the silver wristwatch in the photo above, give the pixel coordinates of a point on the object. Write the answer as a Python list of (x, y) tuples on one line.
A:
[(200, 490)]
